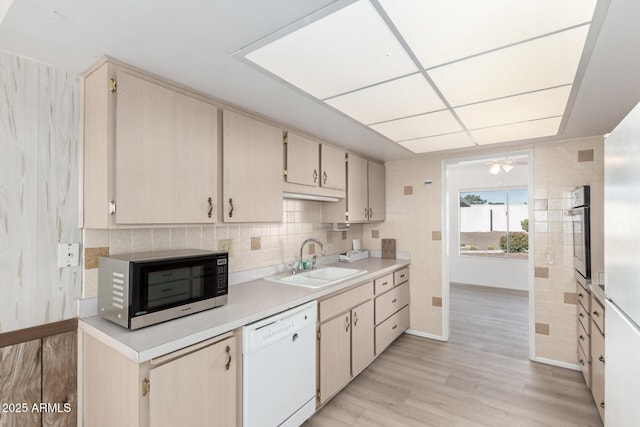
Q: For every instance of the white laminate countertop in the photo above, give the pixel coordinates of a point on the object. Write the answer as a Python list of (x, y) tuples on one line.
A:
[(247, 302)]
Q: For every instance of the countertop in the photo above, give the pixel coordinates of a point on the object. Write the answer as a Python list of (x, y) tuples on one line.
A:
[(247, 303)]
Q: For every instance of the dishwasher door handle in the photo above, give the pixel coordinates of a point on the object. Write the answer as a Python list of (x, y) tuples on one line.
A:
[(294, 338)]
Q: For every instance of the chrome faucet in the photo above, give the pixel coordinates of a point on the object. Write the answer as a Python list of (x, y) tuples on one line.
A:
[(300, 267)]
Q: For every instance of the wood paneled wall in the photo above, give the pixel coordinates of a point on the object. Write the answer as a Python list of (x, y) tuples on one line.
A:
[(38, 376)]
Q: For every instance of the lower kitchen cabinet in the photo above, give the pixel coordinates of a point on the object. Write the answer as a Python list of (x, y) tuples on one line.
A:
[(597, 356), (345, 341), (194, 386), (356, 326)]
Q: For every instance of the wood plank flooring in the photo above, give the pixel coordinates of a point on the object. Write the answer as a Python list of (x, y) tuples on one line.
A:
[(481, 377)]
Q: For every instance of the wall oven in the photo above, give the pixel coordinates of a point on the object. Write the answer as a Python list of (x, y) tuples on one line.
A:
[(579, 213)]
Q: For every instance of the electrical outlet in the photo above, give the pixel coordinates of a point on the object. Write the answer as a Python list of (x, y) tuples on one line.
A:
[(226, 245), (68, 254)]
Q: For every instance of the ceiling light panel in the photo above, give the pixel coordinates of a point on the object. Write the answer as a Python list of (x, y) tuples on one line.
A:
[(424, 125), (538, 64), (530, 106), (438, 143), (517, 131), (347, 50), (439, 32), (403, 97)]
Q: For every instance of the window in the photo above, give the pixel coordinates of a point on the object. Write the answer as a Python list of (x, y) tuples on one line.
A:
[(495, 223)]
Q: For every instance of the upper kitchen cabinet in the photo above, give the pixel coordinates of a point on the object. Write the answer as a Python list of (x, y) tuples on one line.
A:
[(312, 168), (252, 169), (365, 194), (150, 153)]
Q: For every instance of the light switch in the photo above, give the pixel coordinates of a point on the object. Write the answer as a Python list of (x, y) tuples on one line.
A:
[(68, 254), (549, 258)]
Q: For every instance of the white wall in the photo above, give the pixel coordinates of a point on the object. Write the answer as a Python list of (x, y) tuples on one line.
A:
[(39, 119), (496, 272)]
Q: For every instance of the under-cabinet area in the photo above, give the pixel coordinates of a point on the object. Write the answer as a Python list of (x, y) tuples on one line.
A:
[(157, 153), (190, 371)]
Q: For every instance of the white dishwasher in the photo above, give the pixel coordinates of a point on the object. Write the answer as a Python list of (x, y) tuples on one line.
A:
[(279, 368)]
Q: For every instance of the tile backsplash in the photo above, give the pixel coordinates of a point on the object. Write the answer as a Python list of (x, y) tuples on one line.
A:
[(253, 245)]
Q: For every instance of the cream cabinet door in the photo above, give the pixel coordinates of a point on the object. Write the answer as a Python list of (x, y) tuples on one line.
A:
[(335, 355), (303, 160), (334, 173), (357, 204), (376, 191), (252, 170), (362, 333), (198, 389), (166, 155)]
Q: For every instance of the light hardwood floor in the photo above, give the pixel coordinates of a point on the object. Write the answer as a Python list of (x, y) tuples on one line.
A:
[(481, 377)]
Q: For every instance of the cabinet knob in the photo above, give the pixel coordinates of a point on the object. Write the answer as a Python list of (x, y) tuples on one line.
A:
[(581, 337), (394, 326), (602, 404), (581, 315), (601, 358), (595, 313), (581, 361), (394, 300), (210, 201), (315, 176), (580, 295)]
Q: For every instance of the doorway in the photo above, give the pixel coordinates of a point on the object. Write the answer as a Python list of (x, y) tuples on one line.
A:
[(487, 270)]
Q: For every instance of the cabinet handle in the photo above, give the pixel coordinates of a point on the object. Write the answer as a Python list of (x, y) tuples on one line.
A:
[(402, 276), (113, 85), (347, 324), (595, 313), (231, 211), (601, 358), (581, 361), (581, 315), (228, 351), (366, 213), (315, 176), (355, 319), (394, 326), (370, 213), (146, 386), (394, 300), (324, 177), (602, 404), (581, 337), (210, 201), (385, 283)]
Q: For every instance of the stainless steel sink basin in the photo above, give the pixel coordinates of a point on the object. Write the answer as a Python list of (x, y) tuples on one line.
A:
[(317, 278)]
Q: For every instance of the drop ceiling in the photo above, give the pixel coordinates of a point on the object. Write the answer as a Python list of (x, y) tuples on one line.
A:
[(389, 79)]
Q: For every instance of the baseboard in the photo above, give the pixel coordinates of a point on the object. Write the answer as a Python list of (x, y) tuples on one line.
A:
[(425, 335), (558, 363)]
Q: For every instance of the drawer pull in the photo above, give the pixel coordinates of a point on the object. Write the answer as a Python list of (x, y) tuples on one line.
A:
[(385, 283), (394, 300), (581, 337), (595, 313), (402, 276), (394, 326), (581, 315), (581, 361), (601, 358), (580, 295), (602, 404)]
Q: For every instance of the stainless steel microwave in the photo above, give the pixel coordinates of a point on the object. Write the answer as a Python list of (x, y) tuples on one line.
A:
[(143, 289)]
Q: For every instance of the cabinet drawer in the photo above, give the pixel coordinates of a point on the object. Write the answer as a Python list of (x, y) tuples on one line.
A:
[(584, 297), (597, 315), (391, 329), (384, 283), (401, 276), (584, 318), (585, 365), (597, 369), (584, 341), (391, 302), (345, 301)]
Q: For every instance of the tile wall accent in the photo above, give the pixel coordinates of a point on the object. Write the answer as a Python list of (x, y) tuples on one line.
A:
[(39, 132), (412, 221), (542, 329), (254, 245)]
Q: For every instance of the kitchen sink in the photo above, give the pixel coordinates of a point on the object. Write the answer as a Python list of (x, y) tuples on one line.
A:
[(317, 278)]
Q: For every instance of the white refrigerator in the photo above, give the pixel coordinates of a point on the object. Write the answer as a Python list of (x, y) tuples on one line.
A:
[(622, 273)]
